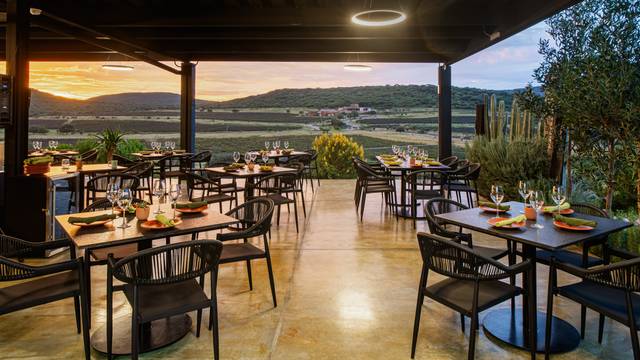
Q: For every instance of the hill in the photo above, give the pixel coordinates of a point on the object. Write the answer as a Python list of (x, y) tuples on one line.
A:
[(379, 97)]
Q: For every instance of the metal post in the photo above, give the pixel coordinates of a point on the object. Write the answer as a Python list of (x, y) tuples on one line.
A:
[(188, 107), (17, 41), (444, 111)]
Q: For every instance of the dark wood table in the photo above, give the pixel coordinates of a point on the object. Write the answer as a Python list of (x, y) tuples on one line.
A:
[(513, 327), (248, 175), (158, 333), (404, 209), (277, 155), (53, 153)]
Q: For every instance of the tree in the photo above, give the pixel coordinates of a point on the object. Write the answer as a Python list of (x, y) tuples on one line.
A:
[(591, 74)]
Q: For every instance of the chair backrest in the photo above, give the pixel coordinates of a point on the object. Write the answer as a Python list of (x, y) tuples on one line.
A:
[(142, 169), (623, 275), (123, 160), (313, 153), (457, 261), (168, 264), (200, 160), (303, 158), (439, 206), (89, 155), (589, 209), (473, 172), (11, 247), (256, 213), (449, 160), (459, 164), (275, 183), (100, 183)]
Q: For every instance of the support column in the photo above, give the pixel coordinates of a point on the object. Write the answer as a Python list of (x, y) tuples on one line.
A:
[(17, 64), (188, 107), (444, 111)]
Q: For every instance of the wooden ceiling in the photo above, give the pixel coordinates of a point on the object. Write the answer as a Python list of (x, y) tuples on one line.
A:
[(443, 31)]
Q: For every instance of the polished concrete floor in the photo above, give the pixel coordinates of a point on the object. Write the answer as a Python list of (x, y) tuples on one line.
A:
[(346, 290)]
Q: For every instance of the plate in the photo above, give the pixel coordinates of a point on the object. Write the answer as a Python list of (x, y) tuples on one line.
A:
[(95, 223), (566, 226), (192, 211), (517, 225), (492, 210), (156, 225), (562, 212)]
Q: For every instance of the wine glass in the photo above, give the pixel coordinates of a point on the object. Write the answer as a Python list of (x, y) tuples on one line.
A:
[(124, 199), (236, 157), (174, 193), (158, 191), (254, 156), (497, 195), (247, 157), (286, 144), (274, 145), (277, 144), (394, 149), (536, 200), (265, 158), (523, 190), (266, 145), (112, 193), (558, 196)]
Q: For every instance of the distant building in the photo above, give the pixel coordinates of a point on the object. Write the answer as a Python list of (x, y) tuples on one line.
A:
[(353, 108)]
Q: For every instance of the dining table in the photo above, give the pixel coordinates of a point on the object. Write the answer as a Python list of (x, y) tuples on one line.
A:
[(248, 175), (515, 327), (277, 155), (156, 155), (54, 153), (158, 333), (403, 209)]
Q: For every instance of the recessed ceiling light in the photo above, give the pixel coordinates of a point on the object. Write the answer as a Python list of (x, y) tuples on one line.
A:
[(35, 11), (380, 17), (117, 67), (102, 37), (357, 67)]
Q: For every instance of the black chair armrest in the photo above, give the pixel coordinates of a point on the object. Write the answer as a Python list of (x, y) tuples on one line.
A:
[(571, 269), (15, 247), (72, 264), (621, 253), (25, 271)]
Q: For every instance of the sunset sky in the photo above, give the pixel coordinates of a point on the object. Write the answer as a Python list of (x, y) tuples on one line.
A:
[(506, 65)]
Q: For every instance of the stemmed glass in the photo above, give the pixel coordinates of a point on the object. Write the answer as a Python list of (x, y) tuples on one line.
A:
[(536, 200), (286, 144), (236, 157), (37, 145), (558, 196), (113, 190), (247, 157), (254, 156), (394, 149), (497, 195), (277, 144), (174, 193), (523, 190), (158, 191), (266, 145), (274, 145), (123, 201), (265, 158), (172, 145)]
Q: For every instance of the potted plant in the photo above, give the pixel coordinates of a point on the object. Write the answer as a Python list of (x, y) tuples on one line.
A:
[(109, 140), (142, 211)]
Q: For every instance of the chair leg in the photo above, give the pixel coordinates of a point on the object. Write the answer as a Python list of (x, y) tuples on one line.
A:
[(76, 307), (416, 321), (600, 328), (583, 320), (632, 326), (87, 280), (249, 274), (547, 336), (271, 280), (362, 202), (278, 218), (472, 336), (198, 322), (304, 207), (295, 211), (109, 324), (462, 324)]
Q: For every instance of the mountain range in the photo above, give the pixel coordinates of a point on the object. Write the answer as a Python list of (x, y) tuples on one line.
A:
[(378, 97)]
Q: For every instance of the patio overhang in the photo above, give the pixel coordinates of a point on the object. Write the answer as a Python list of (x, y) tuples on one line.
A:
[(173, 36)]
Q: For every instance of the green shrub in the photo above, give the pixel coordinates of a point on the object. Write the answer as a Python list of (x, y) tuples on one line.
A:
[(65, 146), (334, 155), (128, 146), (629, 238), (66, 129), (38, 130), (85, 145), (507, 162)]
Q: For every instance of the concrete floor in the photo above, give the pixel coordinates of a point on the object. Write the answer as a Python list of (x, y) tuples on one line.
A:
[(346, 290)]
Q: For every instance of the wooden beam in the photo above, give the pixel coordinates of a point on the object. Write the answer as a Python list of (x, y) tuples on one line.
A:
[(188, 107), (444, 111), (17, 50)]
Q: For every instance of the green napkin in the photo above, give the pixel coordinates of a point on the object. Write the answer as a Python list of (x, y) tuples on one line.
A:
[(494, 206), (90, 219), (38, 160), (164, 220), (434, 163), (564, 206), (191, 205), (517, 219), (393, 163), (575, 221)]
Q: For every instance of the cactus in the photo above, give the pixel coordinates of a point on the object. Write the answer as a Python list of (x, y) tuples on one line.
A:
[(519, 123)]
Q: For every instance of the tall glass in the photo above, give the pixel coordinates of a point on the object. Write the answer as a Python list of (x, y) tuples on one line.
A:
[(286, 144), (113, 191), (265, 158), (497, 195), (158, 191), (266, 145), (254, 156), (174, 193), (247, 157), (236, 156), (523, 190), (536, 200), (123, 201), (558, 195)]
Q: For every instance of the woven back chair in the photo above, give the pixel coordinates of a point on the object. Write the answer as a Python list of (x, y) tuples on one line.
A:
[(123, 161), (449, 160), (473, 286), (371, 180), (164, 279), (97, 186), (282, 188), (144, 171), (423, 185), (464, 181)]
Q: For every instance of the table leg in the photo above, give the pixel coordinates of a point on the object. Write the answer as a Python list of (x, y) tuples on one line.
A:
[(403, 195), (80, 191), (520, 329)]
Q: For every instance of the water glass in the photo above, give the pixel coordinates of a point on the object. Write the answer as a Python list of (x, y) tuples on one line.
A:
[(536, 200), (65, 164), (265, 158), (174, 193), (286, 144), (158, 191), (266, 145), (523, 190), (113, 192), (558, 195), (236, 156), (123, 201), (274, 145), (277, 144), (497, 195), (247, 157), (394, 149)]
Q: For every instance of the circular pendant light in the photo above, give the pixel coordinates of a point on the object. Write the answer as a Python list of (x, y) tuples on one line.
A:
[(381, 17), (116, 67), (357, 67)]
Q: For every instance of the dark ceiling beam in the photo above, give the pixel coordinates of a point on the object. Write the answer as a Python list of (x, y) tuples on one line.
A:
[(91, 38)]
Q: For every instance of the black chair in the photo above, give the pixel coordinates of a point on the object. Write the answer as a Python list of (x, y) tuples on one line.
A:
[(300, 179), (306, 173), (144, 171), (376, 168), (97, 186), (123, 161), (421, 186), (199, 161), (449, 160), (610, 290), (255, 220), (313, 165), (464, 180), (45, 284), (280, 188), (202, 188), (226, 187), (87, 157), (371, 181), (473, 284), (169, 167), (162, 282)]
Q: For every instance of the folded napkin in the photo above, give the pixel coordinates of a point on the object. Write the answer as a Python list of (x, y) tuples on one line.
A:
[(494, 206), (517, 219), (191, 205), (393, 163), (564, 206), (387, 156), (164, 220), (38, 160), (90, 219), (433, 163), (575, 221)]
